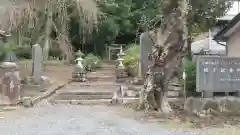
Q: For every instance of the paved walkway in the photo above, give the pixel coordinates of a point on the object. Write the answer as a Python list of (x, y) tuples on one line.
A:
[(75, 120), (62, 119), (48, 119)]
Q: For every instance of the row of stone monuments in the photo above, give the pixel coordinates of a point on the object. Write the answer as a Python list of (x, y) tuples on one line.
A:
[(80, 74), (12, 86)]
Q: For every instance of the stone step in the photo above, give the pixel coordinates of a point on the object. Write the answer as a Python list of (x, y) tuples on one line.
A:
[(134, 87), (172, 94), (130, 93), (139, 87), (175, 88), (104, 101), (105, 83), (96, 102), (83, 97), (91, 88), (88, 92), (134, 100), (83, 102), (100, 87), (101, 78), (103, 73)]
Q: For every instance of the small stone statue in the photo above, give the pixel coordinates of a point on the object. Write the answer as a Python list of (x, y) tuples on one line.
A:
[(80, 72)]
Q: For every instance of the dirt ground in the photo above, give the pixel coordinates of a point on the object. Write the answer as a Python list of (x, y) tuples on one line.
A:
[(178, 119), (217, 125), (181, 120), (56, 70)]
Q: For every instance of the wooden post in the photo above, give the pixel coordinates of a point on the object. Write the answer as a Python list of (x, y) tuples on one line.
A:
[(184, 85)]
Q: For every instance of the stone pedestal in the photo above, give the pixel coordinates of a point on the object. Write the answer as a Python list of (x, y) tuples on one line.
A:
[(207, 94), (238, 93), (10, 83), (78, 75), (29, 83), (121, 75)]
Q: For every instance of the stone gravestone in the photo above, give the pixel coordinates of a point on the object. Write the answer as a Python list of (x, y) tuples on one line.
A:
[(217, 74), (145, 48), (10, 83), (37, 81), (37, 63)]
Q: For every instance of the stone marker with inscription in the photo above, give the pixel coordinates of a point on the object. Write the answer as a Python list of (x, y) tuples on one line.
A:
[(145, 48), (37, 81), (37, 62), (218, 74)]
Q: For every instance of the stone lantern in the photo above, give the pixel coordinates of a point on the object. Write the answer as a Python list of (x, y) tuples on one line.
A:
[(79, 73), (79, 53), (120, 69)]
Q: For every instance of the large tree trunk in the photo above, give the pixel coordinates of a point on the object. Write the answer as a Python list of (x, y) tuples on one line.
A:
[(166, 55)]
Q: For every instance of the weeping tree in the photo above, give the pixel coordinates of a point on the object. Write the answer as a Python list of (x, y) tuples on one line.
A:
[(171, 44), (47, 22)]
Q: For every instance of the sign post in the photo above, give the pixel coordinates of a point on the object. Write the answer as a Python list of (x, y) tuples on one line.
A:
[(184, 85), (218, 74)]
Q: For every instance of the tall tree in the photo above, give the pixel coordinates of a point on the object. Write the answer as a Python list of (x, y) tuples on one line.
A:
[(124, 18), (47, 21), (171, 41)]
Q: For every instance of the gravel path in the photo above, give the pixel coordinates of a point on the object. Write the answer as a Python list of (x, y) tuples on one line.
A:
[(76, 120)]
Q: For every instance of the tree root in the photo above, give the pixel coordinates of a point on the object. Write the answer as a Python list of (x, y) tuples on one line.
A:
[(154, 101)]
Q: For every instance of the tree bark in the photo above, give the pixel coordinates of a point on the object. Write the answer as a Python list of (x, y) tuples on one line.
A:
[(48, 30), (166, 57), (189, 51)]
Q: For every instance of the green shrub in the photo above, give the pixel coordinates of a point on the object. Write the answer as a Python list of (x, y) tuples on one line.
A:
[(91, 62), (131, 59), (190, 70), (55, 52), (1, 50), (23, 52)]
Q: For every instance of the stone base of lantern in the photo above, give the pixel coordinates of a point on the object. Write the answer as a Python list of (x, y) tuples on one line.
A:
[(79, 77), (10, 87), (41, 84), (121, 75)]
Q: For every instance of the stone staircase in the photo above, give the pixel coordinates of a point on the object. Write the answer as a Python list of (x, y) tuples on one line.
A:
[(98, 89), (101, 88)]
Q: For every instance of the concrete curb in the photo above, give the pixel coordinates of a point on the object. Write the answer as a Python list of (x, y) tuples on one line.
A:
[(35, 100)]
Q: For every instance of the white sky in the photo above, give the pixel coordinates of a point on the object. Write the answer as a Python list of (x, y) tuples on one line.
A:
[(233, 11)]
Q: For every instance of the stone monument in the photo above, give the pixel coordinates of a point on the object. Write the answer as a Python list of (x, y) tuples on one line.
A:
[(145, 48), (37, 63), (37, 81)]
